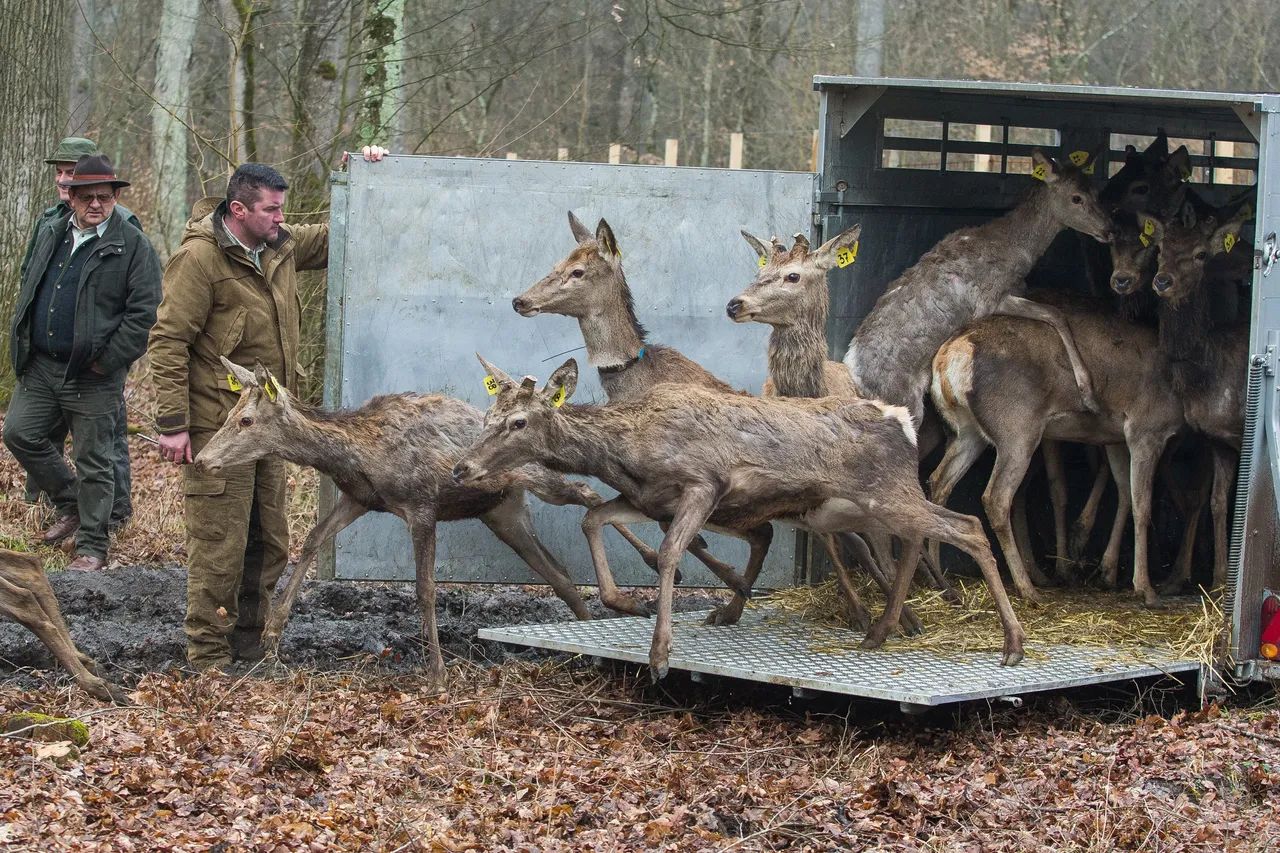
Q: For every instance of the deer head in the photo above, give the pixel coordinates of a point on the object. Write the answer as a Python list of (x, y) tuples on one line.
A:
[(585, 282), (1186, 248), (1071, 197), (516, 426), (791, 286), (1151, 181), (1132, 256), (254, 426)]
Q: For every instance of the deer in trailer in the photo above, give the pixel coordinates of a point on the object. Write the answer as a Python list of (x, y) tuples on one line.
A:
[(1208, 361), (702, 459), (393, 454), (27, 598), (791, 295), (970, 274), (589, 285)]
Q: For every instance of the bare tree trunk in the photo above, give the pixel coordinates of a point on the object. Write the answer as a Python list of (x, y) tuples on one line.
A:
[(869, 60), (380, 95), (34, 77), (708, 92), (242, 84), (82, 49), (584, 118), (168, 129)]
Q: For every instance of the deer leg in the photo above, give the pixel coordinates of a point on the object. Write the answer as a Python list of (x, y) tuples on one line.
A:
[(21, 597), (422, 528), (691, 514), (345, 511), (1144, 456), (1225, 463), (759, 538), (1082, 528), (1118, 460), (511, 522), (892, 614), (962, 451), (618, 510), (1190, 509), (1016, 306), (859, 618), (1012, 458), (1057, 476), (1022, 535), (856, 547)]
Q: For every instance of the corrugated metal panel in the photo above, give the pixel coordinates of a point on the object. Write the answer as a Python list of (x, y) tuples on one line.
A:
[(434, 251)]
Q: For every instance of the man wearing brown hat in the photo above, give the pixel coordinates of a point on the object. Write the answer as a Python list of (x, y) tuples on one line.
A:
[(86, 303), (63, 160)]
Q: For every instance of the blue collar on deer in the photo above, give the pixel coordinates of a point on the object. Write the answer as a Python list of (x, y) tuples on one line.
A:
[(618, 368)]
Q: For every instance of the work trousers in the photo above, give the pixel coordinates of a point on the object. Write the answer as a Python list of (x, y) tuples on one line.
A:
[(237, 547), (122, 506), (89, 404)]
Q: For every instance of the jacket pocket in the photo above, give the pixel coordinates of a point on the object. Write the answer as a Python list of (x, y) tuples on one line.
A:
[(204, 520), (235, 333)]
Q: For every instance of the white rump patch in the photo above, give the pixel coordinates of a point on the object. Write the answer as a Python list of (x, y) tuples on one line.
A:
[(851, 360), (904, 418)]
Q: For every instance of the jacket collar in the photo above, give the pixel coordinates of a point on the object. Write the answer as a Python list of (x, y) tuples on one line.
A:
[(112, 236)]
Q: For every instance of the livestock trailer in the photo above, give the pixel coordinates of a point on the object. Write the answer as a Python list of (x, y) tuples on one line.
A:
[(427, 252)]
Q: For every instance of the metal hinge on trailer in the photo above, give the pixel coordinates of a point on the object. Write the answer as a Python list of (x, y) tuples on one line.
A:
[(1267, 254)]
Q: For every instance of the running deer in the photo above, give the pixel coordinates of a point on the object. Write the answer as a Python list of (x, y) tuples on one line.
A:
[(1209, 361), (699, 459), (27, 598), (1007, 382), (791, 295), (393, 454), (970, 274), (590, 286)]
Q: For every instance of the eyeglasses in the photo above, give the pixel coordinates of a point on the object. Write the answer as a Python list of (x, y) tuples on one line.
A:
[(101, 198)]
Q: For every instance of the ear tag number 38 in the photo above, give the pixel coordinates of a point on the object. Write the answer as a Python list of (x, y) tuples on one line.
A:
[(558, 399), (233, 383), (491, 385), (847, 255), (763, 261)]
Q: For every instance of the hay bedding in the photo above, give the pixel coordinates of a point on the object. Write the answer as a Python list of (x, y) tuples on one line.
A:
[(1186, 627)]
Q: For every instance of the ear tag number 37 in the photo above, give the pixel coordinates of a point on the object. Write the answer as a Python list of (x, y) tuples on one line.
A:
[(847, 255)]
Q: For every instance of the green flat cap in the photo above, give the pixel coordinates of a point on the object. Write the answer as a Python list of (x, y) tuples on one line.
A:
[(71, 149)]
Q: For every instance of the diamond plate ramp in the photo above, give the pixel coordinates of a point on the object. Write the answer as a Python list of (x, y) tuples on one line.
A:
[(777, 649)]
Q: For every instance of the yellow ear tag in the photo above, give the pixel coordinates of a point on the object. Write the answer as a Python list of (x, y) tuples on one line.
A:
[(558, 399), (491, 385), (1186, 173), (1228, 242), (233, 383), (1040, 171), (1148, 228), (763, 261), (1146, 241), (269, 389), (847, 255)]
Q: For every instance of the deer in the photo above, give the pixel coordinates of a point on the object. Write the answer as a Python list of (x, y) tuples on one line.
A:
[(791, 295), (27, 598), (969, 274), (590, 286), (393, 454), (1208, 361), (702, 459)]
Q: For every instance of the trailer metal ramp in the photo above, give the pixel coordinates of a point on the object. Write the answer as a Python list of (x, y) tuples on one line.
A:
[(780, 649)]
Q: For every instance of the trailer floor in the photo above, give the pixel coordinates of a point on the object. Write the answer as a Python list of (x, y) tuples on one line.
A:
[(781, 649)]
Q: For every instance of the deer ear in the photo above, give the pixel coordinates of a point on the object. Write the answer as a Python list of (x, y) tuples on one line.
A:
[(1150, 228), (1228, 234), (562, 384), (1179, 163), (606, 243), (1087, 166), (276, 392), (840, 250), (1044, 167), (260, 372), (501, 379), (1159, 146), (580, 232), (244, 375), (760, 248)]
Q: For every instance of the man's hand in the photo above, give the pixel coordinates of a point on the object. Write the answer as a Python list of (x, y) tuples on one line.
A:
[(372, 153), (176, 448)]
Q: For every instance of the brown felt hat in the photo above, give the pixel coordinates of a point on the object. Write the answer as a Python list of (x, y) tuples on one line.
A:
[(94, 169)]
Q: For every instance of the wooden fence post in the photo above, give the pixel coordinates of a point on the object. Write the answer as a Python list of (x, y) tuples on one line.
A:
[(813, 153), (735, 150), (511, 155), (562, 153), (615, 153), (672, 157)]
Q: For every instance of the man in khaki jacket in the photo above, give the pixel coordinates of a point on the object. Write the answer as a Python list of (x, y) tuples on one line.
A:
[(231, 290)]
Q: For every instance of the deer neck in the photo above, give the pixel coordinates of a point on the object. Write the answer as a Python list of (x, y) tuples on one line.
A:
[(590, 440), (1029, 229), (612, 334), (326, 447), (797, 359)]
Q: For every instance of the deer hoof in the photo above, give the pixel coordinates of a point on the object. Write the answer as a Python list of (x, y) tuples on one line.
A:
[(875, 637), (657, 672), (1173, 586), (1012, 654), (726, 614), (1151, 601), (860, 620)]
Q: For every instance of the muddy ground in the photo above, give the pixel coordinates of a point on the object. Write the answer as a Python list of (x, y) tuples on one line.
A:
[(129, 619)]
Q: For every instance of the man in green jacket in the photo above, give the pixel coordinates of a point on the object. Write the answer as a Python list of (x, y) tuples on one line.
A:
[(86, 302), (63, 161), (231, 290)]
